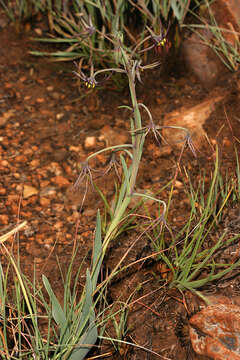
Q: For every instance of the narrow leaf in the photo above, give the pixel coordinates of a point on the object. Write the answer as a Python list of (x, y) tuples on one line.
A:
[(97, 252), (57, 311)]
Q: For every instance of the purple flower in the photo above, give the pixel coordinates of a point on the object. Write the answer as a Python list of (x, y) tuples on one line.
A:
[(160, 41), (90, 81)]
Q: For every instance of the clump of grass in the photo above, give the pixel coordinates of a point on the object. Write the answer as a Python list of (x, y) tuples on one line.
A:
[(191, 256), (228, 51), (82, 27), (36, 327), (20, 10)]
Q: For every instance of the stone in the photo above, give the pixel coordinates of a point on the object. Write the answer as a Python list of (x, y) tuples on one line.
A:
[(61, 181), (4, 163), (38, 31), (28, 191), (90, 142), (34, 163), (21, 159), (3, 191), (215, 332), (40, 100), (4, 219), (45, 202), (59, 116), (200, 58), (191, 119), (178, 184), (75, 148)]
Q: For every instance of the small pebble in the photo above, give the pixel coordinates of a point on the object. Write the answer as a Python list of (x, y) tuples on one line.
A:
[(4, 220), (90, 142)]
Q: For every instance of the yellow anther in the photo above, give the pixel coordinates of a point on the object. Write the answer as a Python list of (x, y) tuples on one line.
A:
[(162, 42)]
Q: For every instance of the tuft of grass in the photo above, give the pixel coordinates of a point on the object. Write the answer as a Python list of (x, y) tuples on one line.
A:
[(228, 51), (20, 10), (191, 255), (85, 28), (67, 331)]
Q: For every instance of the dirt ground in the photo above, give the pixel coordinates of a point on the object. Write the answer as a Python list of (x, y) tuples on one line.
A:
[(45, 118)]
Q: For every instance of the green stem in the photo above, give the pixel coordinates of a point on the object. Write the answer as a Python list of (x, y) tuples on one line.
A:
[(137, 154)]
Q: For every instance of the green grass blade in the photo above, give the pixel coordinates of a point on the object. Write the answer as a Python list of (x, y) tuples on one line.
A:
[(57, 311), (86, 328), (97, 252)]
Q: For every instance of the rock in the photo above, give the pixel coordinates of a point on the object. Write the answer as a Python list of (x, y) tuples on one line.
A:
[(59, 116), (45, 202), (34, 163), (40, 100), (50, 88), (61, 181), (199, 56), (4, 163), (38, 31), (215, 332), (29, 191), (3, 191), (21, 159), (90, 142), (75, 148), (4, 219), (201, 60), (178, 184), (192, 119)]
